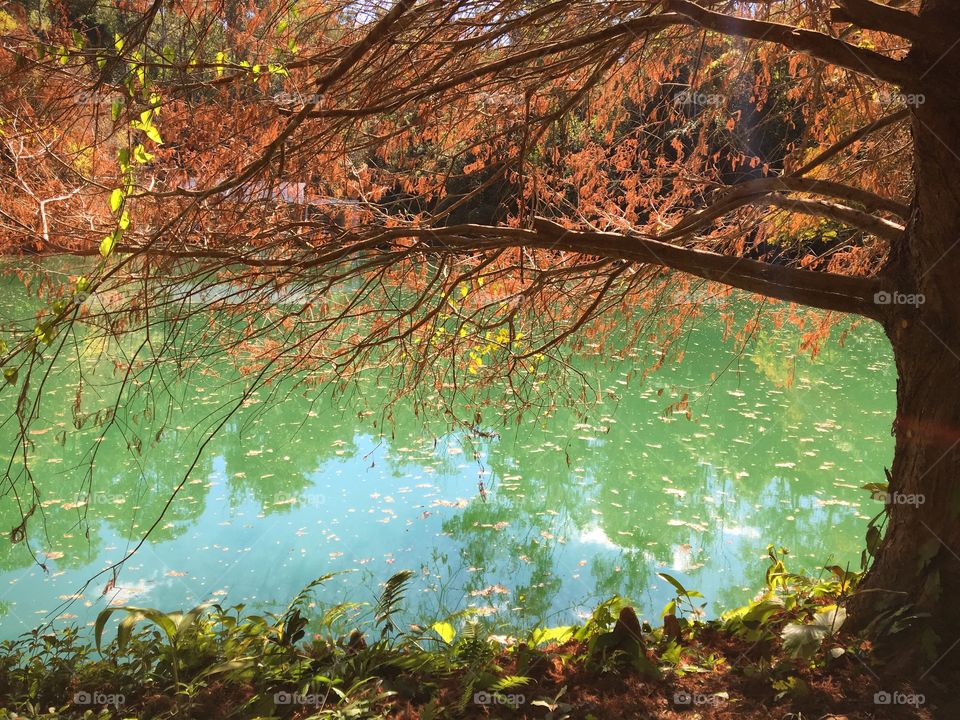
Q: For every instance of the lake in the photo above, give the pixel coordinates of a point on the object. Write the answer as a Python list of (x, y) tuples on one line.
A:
[(532, 523)]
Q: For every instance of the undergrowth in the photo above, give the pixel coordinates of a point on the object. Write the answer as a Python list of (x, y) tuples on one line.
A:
[(222, 662)]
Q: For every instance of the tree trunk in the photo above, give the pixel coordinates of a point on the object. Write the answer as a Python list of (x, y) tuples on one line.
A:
[(918, 563)]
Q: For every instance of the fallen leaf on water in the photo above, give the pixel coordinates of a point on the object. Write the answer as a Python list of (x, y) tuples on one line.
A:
[(488, 591)]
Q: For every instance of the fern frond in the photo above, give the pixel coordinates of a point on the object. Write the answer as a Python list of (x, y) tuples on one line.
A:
[(390, 599)]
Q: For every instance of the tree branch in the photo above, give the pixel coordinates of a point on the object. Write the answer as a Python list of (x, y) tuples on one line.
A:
[(874, 16), (841, 213), (826, 188), (764, 189), (827, 291), (810, 42), (849, 139)]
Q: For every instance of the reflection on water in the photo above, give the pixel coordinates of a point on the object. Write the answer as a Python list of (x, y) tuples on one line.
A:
[(550, 516)]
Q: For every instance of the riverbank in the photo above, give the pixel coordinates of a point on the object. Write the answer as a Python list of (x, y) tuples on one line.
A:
[(783, 655)]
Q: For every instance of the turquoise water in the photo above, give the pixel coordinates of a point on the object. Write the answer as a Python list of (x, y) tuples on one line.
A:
[(534, 524)]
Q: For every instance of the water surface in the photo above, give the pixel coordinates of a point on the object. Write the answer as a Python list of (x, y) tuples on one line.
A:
[(536, 523)]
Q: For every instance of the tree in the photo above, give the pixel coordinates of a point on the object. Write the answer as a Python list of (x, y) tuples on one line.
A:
[(309, 162)]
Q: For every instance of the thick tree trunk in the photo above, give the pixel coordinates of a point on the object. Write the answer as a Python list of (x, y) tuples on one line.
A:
[(918, 562)]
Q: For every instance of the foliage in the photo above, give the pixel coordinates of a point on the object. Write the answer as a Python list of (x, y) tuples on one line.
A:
[(227, 662)]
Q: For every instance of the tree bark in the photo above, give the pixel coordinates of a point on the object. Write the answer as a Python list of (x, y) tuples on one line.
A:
[(917, 565)]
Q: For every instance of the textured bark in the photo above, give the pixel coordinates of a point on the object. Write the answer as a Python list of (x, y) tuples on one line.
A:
[(918, 562)]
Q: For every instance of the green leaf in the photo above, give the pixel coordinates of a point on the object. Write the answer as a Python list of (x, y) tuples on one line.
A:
[(116, 108), (239, 664), (125, 629), (509, 682), (676, 583), (108, 244), (873, 540), (558, 635), (124, 221), (188, 619), (44, 332), (10, 375), (803, 640), (149, 130), (141, 156), (116, 199), (101, 623), (445, 630)]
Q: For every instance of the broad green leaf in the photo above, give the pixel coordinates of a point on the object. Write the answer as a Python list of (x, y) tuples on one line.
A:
[(445, 630), (101, 623), (125, 629), (803, 640), (108, 244), (189, 618), (141, 156), (116, 199), (558, 635)]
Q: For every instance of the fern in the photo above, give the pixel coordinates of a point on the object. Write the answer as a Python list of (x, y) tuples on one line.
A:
[(509, 683), (302, 596), (390, 599)]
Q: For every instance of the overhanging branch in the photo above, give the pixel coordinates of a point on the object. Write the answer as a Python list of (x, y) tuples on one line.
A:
[(874, 16), (827, 291), (813, 43)]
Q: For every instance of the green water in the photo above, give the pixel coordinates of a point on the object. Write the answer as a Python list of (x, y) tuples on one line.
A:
[(536, 524)]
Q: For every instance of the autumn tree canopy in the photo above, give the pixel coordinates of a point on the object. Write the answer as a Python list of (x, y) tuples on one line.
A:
[(454, 189)]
